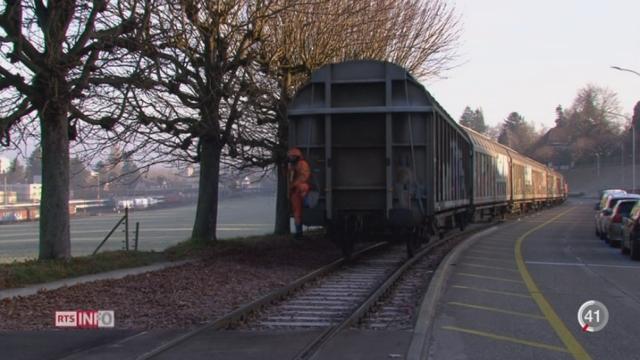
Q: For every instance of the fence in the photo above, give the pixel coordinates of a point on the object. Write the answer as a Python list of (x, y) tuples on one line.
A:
[(125, 244)]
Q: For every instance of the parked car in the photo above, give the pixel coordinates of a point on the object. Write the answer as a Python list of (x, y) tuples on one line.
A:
[(603, 215), (631, 233), (603, 197), (613, 224)]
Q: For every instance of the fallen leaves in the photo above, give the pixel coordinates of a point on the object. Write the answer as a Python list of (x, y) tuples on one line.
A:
[(178, 297)]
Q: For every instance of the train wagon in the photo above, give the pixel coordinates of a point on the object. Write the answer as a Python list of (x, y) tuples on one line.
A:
[(387, 158), (492, 190), (383, 152)]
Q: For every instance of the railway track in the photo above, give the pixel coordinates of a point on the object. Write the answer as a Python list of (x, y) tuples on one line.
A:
[(332, 298), (378, 289), (396, 310)]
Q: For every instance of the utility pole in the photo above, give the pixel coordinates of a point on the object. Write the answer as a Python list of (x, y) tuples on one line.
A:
[(624, 183), (6, 195)]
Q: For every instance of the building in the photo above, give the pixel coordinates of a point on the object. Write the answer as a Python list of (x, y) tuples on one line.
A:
[(27, 193), (9, 199), (554, 148), (5, 165)]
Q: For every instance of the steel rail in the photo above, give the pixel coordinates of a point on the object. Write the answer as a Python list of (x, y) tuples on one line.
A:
[(244, 311), (312, 348)]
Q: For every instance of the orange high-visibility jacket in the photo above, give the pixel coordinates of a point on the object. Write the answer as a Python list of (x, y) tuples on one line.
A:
[(299, 174)]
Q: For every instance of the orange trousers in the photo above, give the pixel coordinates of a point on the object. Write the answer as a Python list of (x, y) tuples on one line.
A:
[(296, 196)]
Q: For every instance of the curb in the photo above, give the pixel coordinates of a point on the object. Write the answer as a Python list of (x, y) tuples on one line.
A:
[(422, 330), (109, 275)]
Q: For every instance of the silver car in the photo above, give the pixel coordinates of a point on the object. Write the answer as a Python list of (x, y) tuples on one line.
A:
[(613, 224), (604, 194), (602, 216), (630, 239)]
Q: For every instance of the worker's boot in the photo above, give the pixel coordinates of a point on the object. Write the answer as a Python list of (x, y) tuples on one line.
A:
[(298, 234)]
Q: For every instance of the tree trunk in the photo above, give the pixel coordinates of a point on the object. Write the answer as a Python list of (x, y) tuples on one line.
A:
[(282, 225), (55, 242), (204, 227)]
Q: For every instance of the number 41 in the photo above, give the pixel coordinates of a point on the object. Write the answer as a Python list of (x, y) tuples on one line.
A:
[(589, 316)]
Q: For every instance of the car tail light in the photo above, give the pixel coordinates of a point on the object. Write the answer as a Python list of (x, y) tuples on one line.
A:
[(617, 218)]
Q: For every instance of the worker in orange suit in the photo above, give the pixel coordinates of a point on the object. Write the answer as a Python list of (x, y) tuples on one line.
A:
[(299, 174)]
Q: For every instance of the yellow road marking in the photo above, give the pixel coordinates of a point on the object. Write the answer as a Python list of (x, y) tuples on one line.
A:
[(488, 259), (560, 328), (506, 338), (508, 293), (488, 267), (489, 308), (489, 277)]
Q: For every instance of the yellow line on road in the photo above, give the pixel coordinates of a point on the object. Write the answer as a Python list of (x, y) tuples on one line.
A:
[(489, 308), (506, 338), (508, 293), (560, 328), (488, 267), (489, 277)]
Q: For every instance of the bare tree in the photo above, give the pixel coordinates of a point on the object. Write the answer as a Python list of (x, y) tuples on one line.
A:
[(419, 34), (197, 83), (593, 120), (52, 56)]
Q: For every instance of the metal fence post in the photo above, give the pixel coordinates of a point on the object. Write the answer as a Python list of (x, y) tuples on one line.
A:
[(108, 235), (136, 240), (126, 228)]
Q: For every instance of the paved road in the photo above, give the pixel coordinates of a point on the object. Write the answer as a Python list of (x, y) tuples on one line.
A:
[(515, 293), (158, 228)]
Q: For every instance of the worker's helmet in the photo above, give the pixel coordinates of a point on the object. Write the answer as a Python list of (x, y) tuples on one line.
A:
[(294, 152)]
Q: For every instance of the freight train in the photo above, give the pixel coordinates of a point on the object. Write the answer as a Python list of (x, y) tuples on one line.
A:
[(388, 159)]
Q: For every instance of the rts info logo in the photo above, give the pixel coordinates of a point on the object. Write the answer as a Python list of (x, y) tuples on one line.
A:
[(85, 319)]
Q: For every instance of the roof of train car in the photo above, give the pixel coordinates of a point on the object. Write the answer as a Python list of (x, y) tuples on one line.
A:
[(320, 75), (485, 143), (477, 139), (488, 144)]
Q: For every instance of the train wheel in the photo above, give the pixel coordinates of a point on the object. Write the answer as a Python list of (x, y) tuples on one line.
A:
[(341, 237), (347, 239), (351, 229), (346, 245), (462, 221), (413, 241), (333, 233), (503, 214), (425, 234)]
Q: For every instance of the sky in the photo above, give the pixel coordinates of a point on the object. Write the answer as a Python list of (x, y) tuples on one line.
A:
[(531, 56)]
